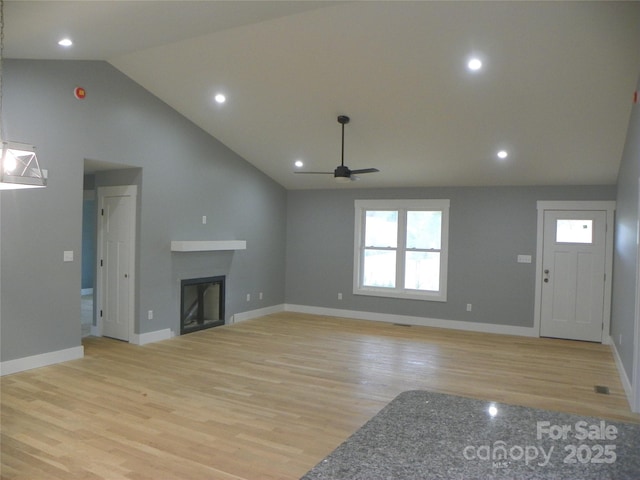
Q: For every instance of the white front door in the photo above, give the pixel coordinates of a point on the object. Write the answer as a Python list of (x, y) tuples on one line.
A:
[(117, 214), (573, 275)]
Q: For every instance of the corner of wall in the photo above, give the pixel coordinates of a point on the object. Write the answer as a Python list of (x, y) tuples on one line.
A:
[(624, 379)]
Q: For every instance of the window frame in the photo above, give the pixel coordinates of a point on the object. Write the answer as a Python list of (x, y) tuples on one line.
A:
[(401, 206)]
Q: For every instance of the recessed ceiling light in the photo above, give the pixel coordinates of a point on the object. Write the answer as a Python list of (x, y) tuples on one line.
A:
[(220, 98), (474, 64), (299, 163), (65, 42), (503, 154)]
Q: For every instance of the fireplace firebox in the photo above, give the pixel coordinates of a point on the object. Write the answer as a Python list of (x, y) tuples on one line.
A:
[(201, 303)]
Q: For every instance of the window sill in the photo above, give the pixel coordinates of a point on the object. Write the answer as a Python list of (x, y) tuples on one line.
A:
[(404, 294)]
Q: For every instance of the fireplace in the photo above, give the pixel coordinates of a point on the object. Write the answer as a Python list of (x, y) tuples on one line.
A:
[(201, 303)]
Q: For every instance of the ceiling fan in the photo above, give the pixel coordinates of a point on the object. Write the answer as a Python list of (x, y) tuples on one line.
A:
[(342, 173)]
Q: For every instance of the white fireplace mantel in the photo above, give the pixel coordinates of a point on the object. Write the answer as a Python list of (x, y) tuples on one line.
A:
[(207, 245)]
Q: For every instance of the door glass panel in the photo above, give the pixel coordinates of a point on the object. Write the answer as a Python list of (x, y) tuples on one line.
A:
[(574, 231)]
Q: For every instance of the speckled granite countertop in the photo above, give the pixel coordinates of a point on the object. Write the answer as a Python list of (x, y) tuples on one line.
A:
[(424, 435)]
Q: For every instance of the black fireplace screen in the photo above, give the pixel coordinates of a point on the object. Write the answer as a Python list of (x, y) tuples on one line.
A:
[(201, 303)]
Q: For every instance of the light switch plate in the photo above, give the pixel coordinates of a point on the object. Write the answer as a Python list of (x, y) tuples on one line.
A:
[(67, 256), (524, 258)]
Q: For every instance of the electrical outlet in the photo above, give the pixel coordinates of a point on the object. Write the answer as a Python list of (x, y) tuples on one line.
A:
[(204, 219), (248, 297), (260, 296), (150, 314), (468, 307), (339, 296), (619, 339)]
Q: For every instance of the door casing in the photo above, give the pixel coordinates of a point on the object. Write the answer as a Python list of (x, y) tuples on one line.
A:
[(609, 208), (635, 374)]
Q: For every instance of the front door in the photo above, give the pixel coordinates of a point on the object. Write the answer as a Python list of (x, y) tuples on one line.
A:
[(117, 213), (573, 275)]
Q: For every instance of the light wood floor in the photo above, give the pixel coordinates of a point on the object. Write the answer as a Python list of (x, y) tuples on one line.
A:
[(269, 398)]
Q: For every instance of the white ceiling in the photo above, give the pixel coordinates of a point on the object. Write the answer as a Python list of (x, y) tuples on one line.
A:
[(555, 89)]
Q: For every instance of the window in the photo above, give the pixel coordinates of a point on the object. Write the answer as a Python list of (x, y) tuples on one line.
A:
[(401, 248), (574, 231)]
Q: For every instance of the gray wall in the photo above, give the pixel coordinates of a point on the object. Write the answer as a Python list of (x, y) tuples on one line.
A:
[(488, 228), (625, 261), (183, 174)]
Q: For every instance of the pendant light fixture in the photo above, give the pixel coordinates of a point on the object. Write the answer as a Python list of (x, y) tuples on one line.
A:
[(19, 167)]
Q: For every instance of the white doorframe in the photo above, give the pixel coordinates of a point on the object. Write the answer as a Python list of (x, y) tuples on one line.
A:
[(635, 374), (609, 208), (124, 190)]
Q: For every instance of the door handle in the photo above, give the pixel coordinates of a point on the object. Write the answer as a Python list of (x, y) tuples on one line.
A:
[(546, 276), (126, 275)]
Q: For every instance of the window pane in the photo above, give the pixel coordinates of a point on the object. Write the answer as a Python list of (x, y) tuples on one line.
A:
[(423, 230), (381, 229), (574, 231), (380, 268), (422, 271)]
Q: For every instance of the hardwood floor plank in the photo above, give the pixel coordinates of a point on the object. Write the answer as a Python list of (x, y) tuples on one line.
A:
[(270, 397)]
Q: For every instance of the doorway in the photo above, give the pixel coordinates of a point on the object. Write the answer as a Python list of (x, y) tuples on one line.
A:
[(87, 280), (573, 275)]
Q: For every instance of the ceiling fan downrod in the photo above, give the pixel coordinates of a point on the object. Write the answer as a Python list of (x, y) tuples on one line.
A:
[(343, 120)]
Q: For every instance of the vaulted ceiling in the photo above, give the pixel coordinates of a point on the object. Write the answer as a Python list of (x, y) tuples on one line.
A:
[(554, 91)]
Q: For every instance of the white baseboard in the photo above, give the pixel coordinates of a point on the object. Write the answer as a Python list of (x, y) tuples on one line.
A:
[(150, 337), (42, 360), (419, 321), (141, 338), (260, 312), (27, 363), (626, 383)]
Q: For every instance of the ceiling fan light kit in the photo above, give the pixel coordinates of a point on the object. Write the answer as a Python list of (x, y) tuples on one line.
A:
[(342, 173)]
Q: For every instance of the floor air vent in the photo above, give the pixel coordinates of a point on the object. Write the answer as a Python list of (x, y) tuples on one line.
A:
[(601, 389)]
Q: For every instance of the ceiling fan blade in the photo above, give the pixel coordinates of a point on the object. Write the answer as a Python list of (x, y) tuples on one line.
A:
[(365, 170), (342, 173)]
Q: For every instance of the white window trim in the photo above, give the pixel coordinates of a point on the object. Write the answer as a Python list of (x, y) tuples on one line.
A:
[(361, 206)]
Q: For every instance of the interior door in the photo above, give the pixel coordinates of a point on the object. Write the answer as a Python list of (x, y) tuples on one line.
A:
[(573, 263), (116, 264)]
